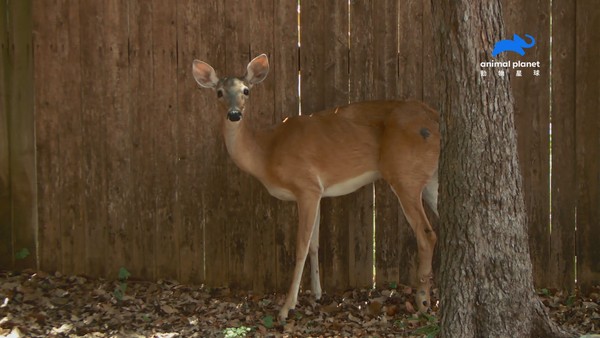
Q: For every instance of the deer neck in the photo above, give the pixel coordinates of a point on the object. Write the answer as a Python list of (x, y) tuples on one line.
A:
[(245, 146)]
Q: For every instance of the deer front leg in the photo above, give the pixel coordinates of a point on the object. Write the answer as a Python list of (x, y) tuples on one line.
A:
[(308, 207), (313, 251)]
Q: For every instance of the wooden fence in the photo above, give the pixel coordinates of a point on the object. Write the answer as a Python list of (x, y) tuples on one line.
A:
[(110, 156)]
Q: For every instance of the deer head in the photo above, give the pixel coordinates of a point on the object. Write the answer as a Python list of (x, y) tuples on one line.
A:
[(232, 92)]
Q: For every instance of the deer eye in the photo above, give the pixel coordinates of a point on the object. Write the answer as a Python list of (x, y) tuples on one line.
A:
[(246, 91), (220, 93)]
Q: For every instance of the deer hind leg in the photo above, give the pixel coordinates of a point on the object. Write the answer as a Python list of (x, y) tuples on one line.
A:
[(313, 252), (308, 212), (430, 193), (409, 195)]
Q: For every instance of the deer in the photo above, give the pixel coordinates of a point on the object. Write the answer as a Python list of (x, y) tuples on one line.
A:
[(334, 152)]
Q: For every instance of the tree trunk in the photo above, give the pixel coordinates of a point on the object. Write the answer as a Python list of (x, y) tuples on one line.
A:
[(486, 281)]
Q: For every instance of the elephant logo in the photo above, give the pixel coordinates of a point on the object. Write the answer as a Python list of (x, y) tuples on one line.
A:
[(517, 45)]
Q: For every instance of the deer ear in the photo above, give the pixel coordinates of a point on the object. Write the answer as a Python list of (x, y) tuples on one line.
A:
[(257, 69), (204, 74)]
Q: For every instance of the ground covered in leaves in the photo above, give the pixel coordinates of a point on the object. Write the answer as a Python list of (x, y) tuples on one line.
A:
[(41, 305)]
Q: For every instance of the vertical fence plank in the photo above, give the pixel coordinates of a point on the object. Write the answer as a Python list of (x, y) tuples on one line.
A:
[(374, 76), (324, 84), (6, 247), (95, 92), (199, 142), (164, 123), (21, 120), (561, 267), (206, 117), (284, 79), (588, 144), (143, 157), (532, 117), (68, 109), (58, 136), (115, 113)]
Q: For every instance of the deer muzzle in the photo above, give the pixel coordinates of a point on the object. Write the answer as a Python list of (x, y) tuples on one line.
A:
[(234, 115)]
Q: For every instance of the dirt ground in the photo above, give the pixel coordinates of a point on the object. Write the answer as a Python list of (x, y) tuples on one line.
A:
[(41, 305)]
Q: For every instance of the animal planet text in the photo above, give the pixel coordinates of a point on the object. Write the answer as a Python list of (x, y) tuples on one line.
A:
[(509, 64)]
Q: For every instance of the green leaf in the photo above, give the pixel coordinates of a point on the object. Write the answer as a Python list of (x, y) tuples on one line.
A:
[(268, 322), (118, 293), (393, 285), (123, 274), (571, 300), (400, 323), (235, 332), (22, 254), (430, 330), (430, 319)]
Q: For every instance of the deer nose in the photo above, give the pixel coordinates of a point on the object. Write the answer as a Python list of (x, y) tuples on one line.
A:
[(234, 115)]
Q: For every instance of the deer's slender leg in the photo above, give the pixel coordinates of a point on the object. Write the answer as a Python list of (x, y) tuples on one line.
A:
[(408, 162), (409, 196), (313, 251), (430, 193), (308, 210)]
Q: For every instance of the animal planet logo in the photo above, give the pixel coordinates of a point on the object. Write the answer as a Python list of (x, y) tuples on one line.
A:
[(517, 45)]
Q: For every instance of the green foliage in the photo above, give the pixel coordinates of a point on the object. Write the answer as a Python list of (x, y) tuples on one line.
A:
[(268, 322), (123, 274), (22, 254), (120, 290), (571, 300), (430, 330), (393, 285), (235, 332)]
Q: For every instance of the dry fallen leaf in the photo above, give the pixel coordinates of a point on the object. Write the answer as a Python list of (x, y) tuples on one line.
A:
[(168, 309), (374, 308), (42, 305)]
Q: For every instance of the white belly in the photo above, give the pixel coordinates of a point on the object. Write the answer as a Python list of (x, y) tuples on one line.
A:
[(351, 185), (338, 189), (281, 193)]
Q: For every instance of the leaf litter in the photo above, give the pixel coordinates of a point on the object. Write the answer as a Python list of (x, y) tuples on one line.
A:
[(36, 304)]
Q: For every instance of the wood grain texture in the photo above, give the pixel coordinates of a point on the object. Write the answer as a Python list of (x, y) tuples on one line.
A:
[(194, 137), (115, 114), (532, 118), (165, 129), (588, 144), (561, 265), (23, 189), (95, 93), (6, 244), (143, 241), (59, 136)]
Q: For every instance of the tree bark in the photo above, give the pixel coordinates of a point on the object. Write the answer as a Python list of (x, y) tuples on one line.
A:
[(486, 283)]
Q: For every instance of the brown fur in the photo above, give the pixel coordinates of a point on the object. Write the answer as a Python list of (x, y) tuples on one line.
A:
[(334, 152)]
